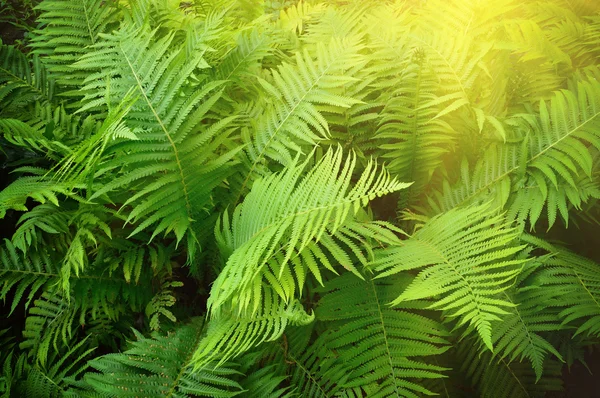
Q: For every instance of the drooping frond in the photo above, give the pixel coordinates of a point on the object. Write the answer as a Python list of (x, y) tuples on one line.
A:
[(520, 334), (287, 224), (158, 367), (38, 188), (465, 259), (47, 381), (384, 350), (572, 285), (30, 273), (47, 131)]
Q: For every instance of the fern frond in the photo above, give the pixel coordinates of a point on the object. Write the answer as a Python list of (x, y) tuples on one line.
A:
[(266, 382), (291, 116), (314, 369), (413, 138), (50, 324), (465, 258), (498, 378), (383, 349), (158, 367), (519, 335), (295, 17), (55, 379), (160, 302), (286, 223), (22, 81), (33, 272), (542, 170), (168, 177), (252, 47), (527, 38), (66, 29), (229, 334), (571, 282), (40, 189)]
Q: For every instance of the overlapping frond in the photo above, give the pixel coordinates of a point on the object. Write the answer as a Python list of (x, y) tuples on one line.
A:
[(67, 28), (384, 350), (158, 367), (290, 222), (30, 273), (413, 139), (22, 81), (466, 259), (571, 285), (313, 368), (494, 377), (230, 334), (168, 171), (46, 381), (520, 334), (543, 169), (290, 116), (177, 159)]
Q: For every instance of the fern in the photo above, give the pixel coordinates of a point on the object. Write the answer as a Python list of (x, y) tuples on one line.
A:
[(30, 272), (207, 179), (230, 334), (498, 378), (464, 255), (67, 29), (380, 347), (302, 218), (46, 381), (158, 367), (546, 163), (178, 197), (293, 118), (22, 80), (573, 280)]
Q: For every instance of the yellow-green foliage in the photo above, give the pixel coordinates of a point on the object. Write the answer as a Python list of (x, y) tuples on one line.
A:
[(192, 198)]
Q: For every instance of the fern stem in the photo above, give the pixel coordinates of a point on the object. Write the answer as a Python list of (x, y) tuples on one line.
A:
[(515, 377), (87, 21)]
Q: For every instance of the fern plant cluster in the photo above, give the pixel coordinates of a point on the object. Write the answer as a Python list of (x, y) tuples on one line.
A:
[(299, 199)]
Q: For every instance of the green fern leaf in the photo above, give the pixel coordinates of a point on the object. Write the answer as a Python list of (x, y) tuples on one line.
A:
[(170, 176), (158, 367), (382, 348), (287, 221), (67, 28), (291, 117), (229, 334), (465, 259)]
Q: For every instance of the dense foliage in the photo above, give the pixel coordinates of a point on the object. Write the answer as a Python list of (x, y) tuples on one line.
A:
[(267, 199)]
